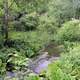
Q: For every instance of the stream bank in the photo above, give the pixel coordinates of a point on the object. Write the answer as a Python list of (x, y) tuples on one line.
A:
[(39, 63), (35, 66)]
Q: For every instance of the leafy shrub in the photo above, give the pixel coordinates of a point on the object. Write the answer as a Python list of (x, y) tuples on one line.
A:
[(32, 77), (27, 22), (29, 76), (70, 62), (30, 42), (55, 73), (1, 41), (2, 68), (4, 52), (70, 31), (67, 67), (18, 61), (11, 60), (46, 24), (70, 45), (60, 11), (3, 59)]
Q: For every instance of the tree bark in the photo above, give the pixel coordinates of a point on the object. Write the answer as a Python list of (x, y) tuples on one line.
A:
[(6, 19)]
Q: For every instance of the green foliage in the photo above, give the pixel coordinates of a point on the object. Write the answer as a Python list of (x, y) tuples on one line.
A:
[(55, 73), (30, 42), (10, 56), (67, 67), (70, 45), (32, 77), (46, 24), (18, 60), (4, 52), (70, 62), (70, 31), (2, 68), (28, 22), (1, 41), (32, 25), (60, 11)]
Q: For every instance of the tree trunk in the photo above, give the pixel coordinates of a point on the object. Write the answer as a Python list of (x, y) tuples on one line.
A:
[(6, 19)]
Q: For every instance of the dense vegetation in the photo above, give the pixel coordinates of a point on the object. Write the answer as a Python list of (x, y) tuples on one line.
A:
[(27, 27)]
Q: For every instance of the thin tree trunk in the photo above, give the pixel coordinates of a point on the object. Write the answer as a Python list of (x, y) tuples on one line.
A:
[(74, 8), (6, 18)]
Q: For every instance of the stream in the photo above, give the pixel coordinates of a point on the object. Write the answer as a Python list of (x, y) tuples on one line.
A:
[(43, 64), (37, 65)]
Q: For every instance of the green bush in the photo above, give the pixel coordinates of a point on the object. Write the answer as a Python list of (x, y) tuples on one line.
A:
[(28, 22), (18, 61), (4, 52), (2, 68), (46, 24), (70, 31), (11, 59), (67, 67), (1, 41), (32, 77), (30, 43), (29, 76), (70, 62), (55, 73), (67, 45)]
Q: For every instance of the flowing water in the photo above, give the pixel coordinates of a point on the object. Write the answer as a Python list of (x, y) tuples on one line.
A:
[(38, 65), (41, 62)]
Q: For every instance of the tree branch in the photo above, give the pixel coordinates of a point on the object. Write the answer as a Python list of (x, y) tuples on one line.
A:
[(11, 4)]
